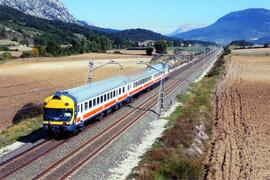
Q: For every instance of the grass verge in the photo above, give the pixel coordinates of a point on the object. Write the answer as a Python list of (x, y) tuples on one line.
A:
[(16, 131), (174, 155)]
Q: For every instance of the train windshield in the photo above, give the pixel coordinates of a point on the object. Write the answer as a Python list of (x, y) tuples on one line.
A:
[(57, 114)]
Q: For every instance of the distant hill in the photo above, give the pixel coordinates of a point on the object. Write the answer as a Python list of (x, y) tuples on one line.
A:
[(187, 27), (262, 40), (249, 25), (92, 27), (141, 35)]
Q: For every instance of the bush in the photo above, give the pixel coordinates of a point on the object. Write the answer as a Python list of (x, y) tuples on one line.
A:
[(117, 52), (4, 48), (161, 47), (7, 56), (26, 54)]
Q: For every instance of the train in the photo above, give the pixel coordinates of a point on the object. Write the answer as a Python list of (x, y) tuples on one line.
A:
[(68, 111)]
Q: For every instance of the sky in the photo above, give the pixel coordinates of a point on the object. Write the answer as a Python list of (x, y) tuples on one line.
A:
[(163, 16)]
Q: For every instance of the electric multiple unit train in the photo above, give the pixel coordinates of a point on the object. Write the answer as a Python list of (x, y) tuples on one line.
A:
[(67, 111)]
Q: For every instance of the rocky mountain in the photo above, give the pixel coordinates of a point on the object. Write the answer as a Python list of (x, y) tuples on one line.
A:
[(51, 10), (46, 9), (249, 25)]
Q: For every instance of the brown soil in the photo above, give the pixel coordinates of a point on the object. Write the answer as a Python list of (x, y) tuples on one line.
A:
[(31, 80), (240, 147)]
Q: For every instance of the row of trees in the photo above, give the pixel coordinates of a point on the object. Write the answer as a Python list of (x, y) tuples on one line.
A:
[(45, 46)]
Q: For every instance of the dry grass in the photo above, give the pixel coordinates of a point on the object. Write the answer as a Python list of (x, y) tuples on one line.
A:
[(128, 52), (252, 52)]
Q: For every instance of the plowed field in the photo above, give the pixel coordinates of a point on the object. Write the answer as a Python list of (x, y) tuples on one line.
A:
[(240, 147)]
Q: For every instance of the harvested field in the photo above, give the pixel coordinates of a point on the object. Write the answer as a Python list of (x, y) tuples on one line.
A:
[(128, 52), (253, 52), (240, 147), (30, 81)]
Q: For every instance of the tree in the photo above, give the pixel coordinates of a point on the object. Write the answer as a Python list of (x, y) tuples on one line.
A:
[(39, 41), (42, 50), (149, 51), (35, 52), (53, 48), (26, 54), (241, 43), (76, 46), (161, 47)]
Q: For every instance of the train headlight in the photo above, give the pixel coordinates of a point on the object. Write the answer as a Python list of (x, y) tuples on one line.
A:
[(66, 104)]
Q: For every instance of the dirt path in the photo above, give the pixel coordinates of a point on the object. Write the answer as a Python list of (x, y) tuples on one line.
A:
[(240, 146)]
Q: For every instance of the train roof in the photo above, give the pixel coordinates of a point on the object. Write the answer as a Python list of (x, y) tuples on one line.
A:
[(94, 89), (156, 68)]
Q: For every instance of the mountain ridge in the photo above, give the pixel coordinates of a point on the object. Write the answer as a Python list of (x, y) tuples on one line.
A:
[(249, 24)]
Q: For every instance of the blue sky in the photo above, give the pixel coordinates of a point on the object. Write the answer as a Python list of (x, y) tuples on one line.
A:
[(162, 16)]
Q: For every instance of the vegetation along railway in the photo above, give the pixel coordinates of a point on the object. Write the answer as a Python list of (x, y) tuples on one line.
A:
[(71, 162)]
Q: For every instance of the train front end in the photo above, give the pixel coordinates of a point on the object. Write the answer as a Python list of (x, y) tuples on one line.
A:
[(59, 114)]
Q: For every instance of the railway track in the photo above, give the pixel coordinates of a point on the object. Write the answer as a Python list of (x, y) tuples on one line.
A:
[(93, 145), (81, 155)]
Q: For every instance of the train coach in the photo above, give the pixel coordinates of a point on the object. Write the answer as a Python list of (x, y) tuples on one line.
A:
[(67, 111)]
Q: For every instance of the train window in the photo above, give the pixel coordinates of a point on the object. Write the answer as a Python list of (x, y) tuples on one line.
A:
[(78, 108), (90, 103), (111, 95), (86, 106), (114, 93), (119, 91), (81, 107), (94, 102), (108, 96), (98, 101), (104, 97), (123, 89), (101, 99)]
